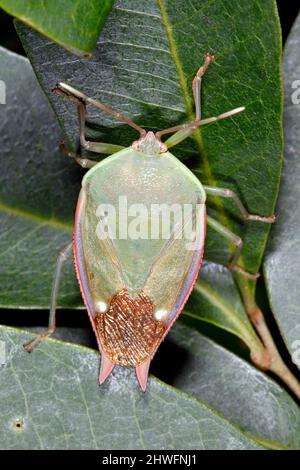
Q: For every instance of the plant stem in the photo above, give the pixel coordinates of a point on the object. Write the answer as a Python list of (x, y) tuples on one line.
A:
[(274, 362)]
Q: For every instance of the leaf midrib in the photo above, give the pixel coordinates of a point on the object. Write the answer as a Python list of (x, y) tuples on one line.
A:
[(197, 136)]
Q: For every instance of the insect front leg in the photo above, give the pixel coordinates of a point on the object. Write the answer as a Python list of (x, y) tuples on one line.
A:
[(183, 131), (62, 258), (197, 82), (182, 134), (83, 162), (97, 147), (237, 241), (227, 193)]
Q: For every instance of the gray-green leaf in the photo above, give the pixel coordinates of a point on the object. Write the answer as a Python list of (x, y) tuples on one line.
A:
[(51, 399), (233, 387), (282, 264), (38, 191)]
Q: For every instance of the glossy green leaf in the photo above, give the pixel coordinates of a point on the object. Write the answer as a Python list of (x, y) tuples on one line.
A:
[(231, 386), (36, 213), (137, 70), (74, 25), (51, 399), (145, 72), (144, 69), (215, 299), (282, 265)]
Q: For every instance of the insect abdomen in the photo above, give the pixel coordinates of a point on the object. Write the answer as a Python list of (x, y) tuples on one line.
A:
[(128, 330)]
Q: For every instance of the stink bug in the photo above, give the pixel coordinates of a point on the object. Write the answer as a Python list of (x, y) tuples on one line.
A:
[(135, 283)]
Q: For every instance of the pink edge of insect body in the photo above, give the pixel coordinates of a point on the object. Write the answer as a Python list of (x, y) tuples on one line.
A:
[(142, 373), (106, 367)]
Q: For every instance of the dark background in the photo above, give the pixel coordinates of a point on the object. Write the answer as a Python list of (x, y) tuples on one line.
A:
[(288, 10), (77, 323)]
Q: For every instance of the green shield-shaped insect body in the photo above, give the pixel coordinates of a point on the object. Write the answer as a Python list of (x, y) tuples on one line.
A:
[(139, 236)]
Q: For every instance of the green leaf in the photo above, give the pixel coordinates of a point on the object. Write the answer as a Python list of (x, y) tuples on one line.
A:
[(215, 299), (54, 396), (145, 70), (137, 71), (74, 25), (36, 213), (231, 386), (38, 190), (282, 264)]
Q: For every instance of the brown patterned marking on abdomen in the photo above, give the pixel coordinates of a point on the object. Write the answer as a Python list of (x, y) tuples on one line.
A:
[(128, 331)]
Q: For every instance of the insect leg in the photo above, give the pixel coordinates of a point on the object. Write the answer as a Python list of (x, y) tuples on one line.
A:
[(97, 147), (237, 241), (197, 82), (227, 193), (183, 131), (62, 258), (83, 162), (76, 95)]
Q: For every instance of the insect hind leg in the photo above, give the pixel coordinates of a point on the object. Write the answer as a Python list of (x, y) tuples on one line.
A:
[(229, 194), (62, 258), (237, 241)]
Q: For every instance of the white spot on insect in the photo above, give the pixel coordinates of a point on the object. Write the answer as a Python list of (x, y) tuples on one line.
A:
[(101, 306), (161, 314)]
